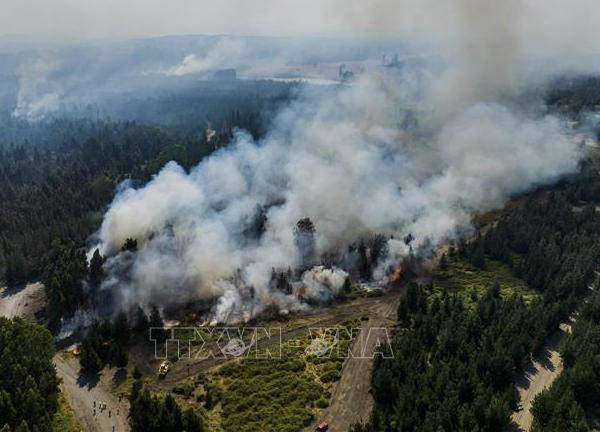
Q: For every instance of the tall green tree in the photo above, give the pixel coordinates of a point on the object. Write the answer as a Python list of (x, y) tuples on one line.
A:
[(64, 272), (28, 382)]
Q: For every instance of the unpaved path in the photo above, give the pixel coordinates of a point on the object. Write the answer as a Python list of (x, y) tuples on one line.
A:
[(24, 303), (81, 394), (540, 374), (351, 399)]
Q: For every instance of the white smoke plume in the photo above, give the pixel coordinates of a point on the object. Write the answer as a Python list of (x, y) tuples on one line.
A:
[(80, 320), (356, 162), (37, 94), (227, 53), (321, 283), (340, 160)]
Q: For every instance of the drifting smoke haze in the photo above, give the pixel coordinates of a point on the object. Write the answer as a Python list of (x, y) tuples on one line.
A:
[(227, 53), (36, 94), (356, 162)]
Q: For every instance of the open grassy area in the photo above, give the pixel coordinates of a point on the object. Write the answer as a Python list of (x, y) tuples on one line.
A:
[(64, 419), (270, 394), (461, 278)]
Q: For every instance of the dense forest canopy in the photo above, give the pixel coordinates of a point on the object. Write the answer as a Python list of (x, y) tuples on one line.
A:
[(58, 174), (28, 382)]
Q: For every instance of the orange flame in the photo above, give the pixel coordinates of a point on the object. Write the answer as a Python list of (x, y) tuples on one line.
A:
[(397, 275)]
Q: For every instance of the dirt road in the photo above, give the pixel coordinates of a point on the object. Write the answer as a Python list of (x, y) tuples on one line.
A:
[(25, 303), (540, 374), (81, 394), (351, 400)]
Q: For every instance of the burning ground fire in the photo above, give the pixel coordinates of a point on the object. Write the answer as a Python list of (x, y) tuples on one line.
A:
[(397, 274)]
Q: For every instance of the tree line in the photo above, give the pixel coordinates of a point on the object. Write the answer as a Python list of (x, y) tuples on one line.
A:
[(152, 413), (107, 342)]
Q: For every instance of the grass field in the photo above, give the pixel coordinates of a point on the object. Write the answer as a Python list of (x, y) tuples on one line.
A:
[(270, 394), (466, 281)]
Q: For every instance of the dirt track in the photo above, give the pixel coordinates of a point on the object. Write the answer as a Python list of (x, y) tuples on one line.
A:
[(81, 394), (351, 400), (24, 303), (540, 374)]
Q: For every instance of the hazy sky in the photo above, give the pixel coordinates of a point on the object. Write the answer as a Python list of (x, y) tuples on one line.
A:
[(73, 20), (548, 25)]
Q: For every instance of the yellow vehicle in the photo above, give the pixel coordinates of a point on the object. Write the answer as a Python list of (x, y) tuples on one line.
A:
[(163, 369)]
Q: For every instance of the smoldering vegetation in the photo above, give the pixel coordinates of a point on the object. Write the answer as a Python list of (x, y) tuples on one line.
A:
[(409, 147), (354, 164)]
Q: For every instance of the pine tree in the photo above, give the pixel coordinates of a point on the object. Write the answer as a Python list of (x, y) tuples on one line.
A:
[(192, 422), (96, 269), (156, 325), (88, 358), (304, 238), (130, 245), (444, 262), (120, 329), (364, 267), (141, 321), (119, 355), (155, 318), (478, 258), (347, 287)]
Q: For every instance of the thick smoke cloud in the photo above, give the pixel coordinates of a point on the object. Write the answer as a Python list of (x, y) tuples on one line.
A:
[(320, 283), (341, 160), (396, 152)]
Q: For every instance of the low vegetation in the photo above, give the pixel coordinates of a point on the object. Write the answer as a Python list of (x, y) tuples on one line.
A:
[(458, 276), (64, 420), (270, 394), (283, 394)]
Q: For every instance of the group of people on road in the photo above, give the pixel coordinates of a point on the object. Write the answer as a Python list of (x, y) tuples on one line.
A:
[(102, 407)]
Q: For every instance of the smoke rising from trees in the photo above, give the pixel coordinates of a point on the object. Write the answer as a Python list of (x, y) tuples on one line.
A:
[(396, 152)]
